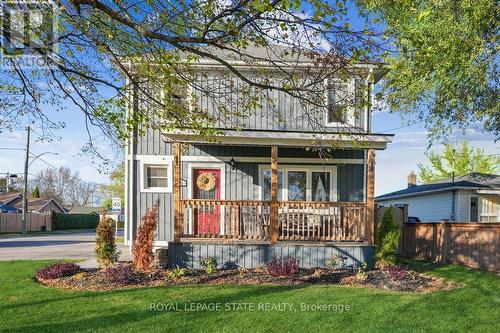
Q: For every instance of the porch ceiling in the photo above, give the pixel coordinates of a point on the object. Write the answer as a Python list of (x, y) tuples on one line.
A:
[(290, 139)]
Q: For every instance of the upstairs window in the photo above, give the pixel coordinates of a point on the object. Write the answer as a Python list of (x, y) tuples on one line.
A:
[(175, 95), (339, 98)]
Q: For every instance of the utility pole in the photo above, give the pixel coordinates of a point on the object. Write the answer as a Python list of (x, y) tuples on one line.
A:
[(7, 182), (25, 191)]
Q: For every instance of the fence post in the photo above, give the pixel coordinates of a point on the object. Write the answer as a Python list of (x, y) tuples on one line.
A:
[(444, 242)]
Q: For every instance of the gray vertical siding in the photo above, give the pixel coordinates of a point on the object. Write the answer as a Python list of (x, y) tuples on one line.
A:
[(189, 255), (277, 110)]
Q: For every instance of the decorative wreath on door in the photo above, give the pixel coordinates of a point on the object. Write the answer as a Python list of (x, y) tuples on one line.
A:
[(206, 181)]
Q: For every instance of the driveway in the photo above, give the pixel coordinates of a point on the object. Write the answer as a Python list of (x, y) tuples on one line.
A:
[(71, 245)]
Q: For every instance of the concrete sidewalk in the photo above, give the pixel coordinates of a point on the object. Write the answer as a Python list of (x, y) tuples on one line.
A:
[(125, 256)]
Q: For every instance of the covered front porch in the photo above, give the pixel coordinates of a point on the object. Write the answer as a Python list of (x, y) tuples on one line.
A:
[(272, 221)]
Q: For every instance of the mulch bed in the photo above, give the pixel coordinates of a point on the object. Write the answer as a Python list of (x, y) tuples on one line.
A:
[(93, 279)]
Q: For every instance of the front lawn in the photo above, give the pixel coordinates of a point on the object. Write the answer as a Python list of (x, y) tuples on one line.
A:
[(28, 307)]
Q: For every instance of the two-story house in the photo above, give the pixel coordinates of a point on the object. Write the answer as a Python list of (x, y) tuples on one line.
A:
[(262, 190)]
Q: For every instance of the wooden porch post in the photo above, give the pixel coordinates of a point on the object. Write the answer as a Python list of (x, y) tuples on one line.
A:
[(370, 199), (273, 220), (178, 214)]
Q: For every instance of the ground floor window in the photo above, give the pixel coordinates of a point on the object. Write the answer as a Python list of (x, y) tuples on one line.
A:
[(155, 173), (300, 183), (490, 208)]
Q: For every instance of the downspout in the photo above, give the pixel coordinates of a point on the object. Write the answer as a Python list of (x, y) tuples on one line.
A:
[(453, 196)]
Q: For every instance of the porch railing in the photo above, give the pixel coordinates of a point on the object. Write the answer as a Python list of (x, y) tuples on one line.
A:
[(297, 220)]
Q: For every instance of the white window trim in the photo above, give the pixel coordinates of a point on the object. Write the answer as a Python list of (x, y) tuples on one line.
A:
[(481, 214), (210, 166), (351, 111), (308, 169), (155, 160)]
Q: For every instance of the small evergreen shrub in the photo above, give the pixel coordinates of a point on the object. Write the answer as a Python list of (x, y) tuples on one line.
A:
[(283, 267), (121, 274), (58, 270), (143, 245), (388, 240), (105, 246), (209, 264)]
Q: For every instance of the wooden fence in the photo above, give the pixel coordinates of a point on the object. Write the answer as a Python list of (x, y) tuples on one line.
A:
[(474, 245), (11, 222)]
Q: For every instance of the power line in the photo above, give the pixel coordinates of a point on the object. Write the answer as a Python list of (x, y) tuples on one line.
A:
[(66, 152), (44, 161), (407, 125), (7, 148)]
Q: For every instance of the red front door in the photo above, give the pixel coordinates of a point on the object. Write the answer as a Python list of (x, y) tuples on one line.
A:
[(206, 185)]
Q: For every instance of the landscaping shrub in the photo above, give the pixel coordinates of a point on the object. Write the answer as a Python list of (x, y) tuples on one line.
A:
[(397, 272), (361, 274), (177, 273), (121, 274), (105, 246), (336, 261), (62, 221), (285, 267), (388, 240), (209, 264), (58, 270), (143, 245)]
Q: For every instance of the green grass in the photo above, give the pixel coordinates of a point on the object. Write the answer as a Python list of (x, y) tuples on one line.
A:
[(26, 306)]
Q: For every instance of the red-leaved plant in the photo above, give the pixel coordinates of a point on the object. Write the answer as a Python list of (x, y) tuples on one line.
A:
[(143, 245), (58, 270), (285, 267), (397, 272), (121, 274)]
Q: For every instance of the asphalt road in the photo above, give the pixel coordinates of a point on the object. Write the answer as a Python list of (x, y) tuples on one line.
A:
[(53, 246)]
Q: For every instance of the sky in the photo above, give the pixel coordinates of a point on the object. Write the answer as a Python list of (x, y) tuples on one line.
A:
[(68, 146)]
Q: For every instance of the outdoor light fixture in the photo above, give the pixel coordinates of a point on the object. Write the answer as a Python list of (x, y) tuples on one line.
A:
[(232, 163)]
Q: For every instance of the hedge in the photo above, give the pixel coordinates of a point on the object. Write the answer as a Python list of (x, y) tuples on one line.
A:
[(74, 221)]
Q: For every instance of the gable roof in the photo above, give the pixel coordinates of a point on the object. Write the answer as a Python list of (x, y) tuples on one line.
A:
[(8, 209), (473, 180), (14, 200), (36, 204), (5, 198), (85, 210)]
